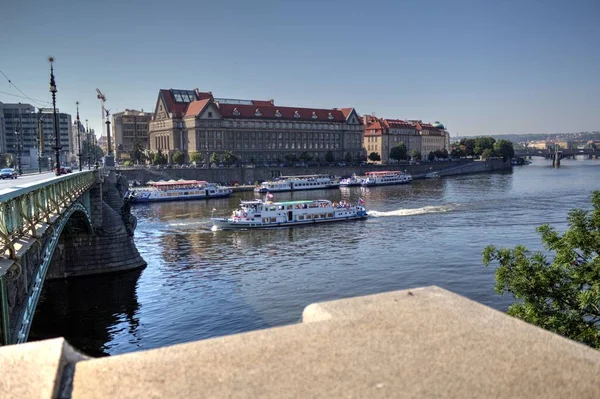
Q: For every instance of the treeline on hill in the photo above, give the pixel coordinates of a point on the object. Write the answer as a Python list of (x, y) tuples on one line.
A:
[(485, 147), (527, 137)]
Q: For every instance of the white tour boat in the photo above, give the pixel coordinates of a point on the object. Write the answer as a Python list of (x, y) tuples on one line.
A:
[(351, 181), (178, 190), (296, 183), (260, 214), (386, 178)]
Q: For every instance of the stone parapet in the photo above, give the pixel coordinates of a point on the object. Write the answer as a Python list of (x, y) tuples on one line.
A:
[(424, 342)]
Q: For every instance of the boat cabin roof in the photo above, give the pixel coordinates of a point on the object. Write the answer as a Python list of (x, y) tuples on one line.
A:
[(385, 172), (257, 202), (179, 183)]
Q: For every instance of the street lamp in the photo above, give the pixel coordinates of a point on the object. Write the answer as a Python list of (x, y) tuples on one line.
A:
[(89, 145), (40, 140), (78, 136), (53, 90), (18, 145)]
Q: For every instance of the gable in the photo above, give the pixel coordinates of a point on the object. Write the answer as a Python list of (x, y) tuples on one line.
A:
[(160, 112), (353, 118), (210, 112)]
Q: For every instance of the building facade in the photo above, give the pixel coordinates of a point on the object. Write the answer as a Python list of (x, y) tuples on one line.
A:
[(20, 133), (434, 137), (254, 130), (381, 135), (130, 131)]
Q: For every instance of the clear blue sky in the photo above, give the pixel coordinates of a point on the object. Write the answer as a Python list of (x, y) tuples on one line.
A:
[(478, 66)]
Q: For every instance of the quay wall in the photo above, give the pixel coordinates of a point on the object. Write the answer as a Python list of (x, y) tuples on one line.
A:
[(251, 175)]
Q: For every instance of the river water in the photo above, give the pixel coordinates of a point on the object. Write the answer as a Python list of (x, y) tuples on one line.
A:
[(201, 284)]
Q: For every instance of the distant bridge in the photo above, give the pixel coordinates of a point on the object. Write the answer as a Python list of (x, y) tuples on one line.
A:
[(550, 153), (69, 225)]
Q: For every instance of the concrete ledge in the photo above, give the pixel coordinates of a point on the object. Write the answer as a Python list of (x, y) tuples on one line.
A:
[(34, 370), (424, 342)]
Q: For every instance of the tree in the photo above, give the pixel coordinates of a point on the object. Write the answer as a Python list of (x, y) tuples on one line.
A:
[(158, 158), (483, 143), (7, 160), (399, 152), (329, 158), (562, 296), (504, 149), (214, 158), (374, 157), (431, 156), (487, 154), (229, 157), (305, 156), (137, 155), (458, 151), (196, 157), (416, 155), (348, 158), (469, 146), (128, 163), (178, 158)]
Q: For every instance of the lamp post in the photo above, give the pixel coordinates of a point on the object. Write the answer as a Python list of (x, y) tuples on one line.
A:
[(79, 154), (53, 90), (19, 137), (40, 140), (89, 145)]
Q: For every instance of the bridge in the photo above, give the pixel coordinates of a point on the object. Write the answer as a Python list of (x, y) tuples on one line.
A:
[(58, 227), (550, 153)]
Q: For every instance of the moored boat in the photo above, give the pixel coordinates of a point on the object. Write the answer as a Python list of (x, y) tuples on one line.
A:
[(297, 183), (261, 214), (387, 177), (178, 191), (351, 181)]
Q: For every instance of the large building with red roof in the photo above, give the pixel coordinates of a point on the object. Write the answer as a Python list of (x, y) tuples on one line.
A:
[(381, 135), (254, 130)]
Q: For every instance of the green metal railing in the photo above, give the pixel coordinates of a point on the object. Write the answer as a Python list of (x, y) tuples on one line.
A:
[(24, 212)]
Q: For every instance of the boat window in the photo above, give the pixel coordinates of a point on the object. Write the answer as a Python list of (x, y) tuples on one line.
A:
[(289, 207), (265, 220), (330, 215), (300, 217), (309, 216), (273, 220)]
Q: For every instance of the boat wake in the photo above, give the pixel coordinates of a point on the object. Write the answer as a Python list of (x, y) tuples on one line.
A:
[(412, 212)]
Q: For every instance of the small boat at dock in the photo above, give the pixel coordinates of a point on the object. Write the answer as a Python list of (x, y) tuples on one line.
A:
[(385, 178), (178, 191), (351, 181), (261, 214)]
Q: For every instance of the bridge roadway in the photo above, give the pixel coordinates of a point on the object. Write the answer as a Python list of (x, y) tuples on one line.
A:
[(24, 181)]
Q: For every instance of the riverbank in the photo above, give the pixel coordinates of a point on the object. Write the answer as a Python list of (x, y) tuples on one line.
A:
[(248, 176)]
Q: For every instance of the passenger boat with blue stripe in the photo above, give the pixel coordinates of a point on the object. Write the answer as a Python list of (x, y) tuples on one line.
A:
[(261, 214), (178, 191)]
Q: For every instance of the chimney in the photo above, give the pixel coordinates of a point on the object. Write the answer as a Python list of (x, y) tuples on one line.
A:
[(365, 120)]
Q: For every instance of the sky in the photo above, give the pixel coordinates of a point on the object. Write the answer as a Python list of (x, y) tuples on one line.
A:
[(479, 67)]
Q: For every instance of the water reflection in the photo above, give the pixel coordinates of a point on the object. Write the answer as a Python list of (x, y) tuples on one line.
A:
[(90, 312)]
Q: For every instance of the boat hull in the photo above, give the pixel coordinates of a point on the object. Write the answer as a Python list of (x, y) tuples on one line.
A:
[(229, 224), (141, 200)]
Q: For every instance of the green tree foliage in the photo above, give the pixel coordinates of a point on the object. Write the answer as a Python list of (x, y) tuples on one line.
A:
[(158, 158), (487, 154), (504, 148), (305, 156), (348, 158), (416, 155), (458, 151), (469, 146), (214, 158), (178, 158), (196, 157), (431, 156), (7, 160), (128, 163), (399, 152), (137, 155), (95, 151), (329, 158), (483, 143), (441, 154), (374, 156), (229, 157), (563, 295)]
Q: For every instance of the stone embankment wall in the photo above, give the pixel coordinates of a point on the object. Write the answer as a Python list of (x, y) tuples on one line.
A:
[(110, 246), (251, 175)]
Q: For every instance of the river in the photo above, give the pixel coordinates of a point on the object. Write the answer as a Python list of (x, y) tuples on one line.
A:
[(201, 284)]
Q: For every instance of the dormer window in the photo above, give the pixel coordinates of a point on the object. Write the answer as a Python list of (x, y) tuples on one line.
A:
[(257, 112), (296, 114), (236, 112), (330, 116), (277, 114), (314, 115)]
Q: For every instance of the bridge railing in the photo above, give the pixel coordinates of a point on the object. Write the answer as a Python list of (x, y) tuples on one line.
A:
[(22, 210)]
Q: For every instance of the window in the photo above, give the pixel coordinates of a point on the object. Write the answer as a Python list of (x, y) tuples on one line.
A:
[(210, 114), (277, 114), (296, 114), (257, 112), (236, 112)]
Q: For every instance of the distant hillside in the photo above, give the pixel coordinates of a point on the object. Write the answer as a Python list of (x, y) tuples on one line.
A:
[(527, 137)]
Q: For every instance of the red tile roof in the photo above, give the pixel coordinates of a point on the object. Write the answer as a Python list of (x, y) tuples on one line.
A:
[(195, 107), (263, 103), (172, 106), (399, 124), (287, 113), (346, 111)]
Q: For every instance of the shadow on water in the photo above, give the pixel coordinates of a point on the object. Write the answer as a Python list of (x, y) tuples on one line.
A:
[(88, 311)]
